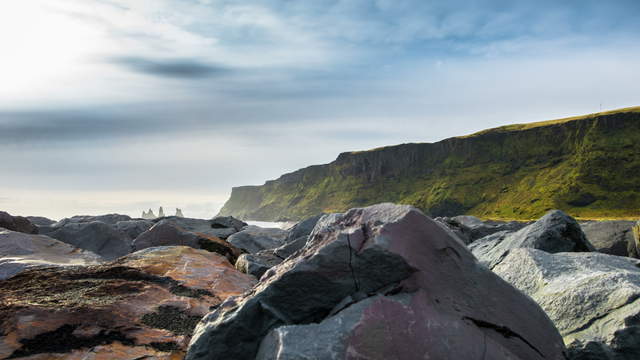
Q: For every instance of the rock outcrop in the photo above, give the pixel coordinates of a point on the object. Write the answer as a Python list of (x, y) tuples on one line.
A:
[(133, 228), (143, 306), (208, 227), (610, 237), (98, 236), (593, 298), (40, 220), (469, 228), (17, 223), (554, 232), (227, 222), (253, 238), (179, 213), (167, 233), (20, 251), (383, 282), (149, 215)]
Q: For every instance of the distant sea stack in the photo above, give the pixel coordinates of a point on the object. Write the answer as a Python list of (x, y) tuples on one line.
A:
[(587, 166)]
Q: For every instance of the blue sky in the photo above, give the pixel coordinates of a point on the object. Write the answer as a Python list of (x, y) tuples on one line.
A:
[(118, 106)]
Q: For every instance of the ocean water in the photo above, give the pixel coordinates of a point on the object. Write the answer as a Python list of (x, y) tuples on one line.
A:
[(271, 224)]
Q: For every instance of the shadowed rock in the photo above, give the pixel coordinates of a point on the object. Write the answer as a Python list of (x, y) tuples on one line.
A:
[(253, 238), (593, 298), (554, 232), (142, 306), (227, 222), (610, 237), (411, 288), (40, 220), (166, 233), (469, 228), (133, 228), (95, 236), (17, 223)]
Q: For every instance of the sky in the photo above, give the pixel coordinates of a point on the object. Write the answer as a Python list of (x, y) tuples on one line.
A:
[(119, 106)]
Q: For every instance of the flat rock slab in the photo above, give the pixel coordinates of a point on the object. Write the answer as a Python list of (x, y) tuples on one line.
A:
[(593, 298), (382, 282), (141, 306)]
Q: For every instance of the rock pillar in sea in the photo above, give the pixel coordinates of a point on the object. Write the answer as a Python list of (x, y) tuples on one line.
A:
[(160, 212), (179, 212)]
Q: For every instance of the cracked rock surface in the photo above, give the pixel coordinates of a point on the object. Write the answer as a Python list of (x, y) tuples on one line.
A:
[(382, 282), (594, 299), (142, 306)]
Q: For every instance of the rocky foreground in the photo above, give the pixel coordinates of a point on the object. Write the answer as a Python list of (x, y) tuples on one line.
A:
[(381, 282)]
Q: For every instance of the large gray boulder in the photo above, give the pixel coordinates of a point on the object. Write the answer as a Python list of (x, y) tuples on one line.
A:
[(133, 228), (20, 251), (303, 228), (110, 219), (254, 238), (413, 289), (96, 236), (17, 223), (554, 232), (207, 227), (40, 220), (470, 228), (257, 264), (610, 237), (593, 298), (166, 233), (222, 222)]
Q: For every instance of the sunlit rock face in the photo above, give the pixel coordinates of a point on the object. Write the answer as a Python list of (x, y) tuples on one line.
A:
[(382, 282), (144, 305), (20, 251)]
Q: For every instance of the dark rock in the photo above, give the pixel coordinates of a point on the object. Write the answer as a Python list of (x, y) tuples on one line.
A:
[(110, 219), (133, 228), (303, 228), (609, 237), (257, 264), (20, 251), (166, 233), (554, 232), (40, 220), (253, 238), (470, 228), (207, 227), (17, 223), (593, 298), (96, 236), (142, 306), (288, 249), (413, 289), (227, 222)]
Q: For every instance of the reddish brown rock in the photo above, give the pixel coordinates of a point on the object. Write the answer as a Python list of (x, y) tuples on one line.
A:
[(143, 305)]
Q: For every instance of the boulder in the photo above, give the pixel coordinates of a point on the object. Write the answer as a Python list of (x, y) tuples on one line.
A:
[(303, 228), (166, 233), (96, 236), (40, 220), (133, 228), (257, 264), (593, 298), (221, 222), (110, 219), (17, 223), (609, 237), (208, 227), (142, 306), (412, 290), (470, 228), (254, 238), (20, 251), (554, 232)]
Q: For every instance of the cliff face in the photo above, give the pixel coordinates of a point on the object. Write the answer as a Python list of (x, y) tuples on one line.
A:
[(587, 166)]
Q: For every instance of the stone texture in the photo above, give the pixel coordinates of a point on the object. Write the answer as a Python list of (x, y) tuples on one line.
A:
[(20, 251), (142, 306), (254, 238), (303, 228), (227, 222), (610, 237), (99, 237), (208, 227), (166, 233), (133, 228), (257, 264), (593, 298), (40, 220), (414, 290), (470, 228), (110, 219), (17, 223), (554, 232)]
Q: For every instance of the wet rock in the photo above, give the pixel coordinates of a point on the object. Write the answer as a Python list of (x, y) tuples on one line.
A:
[(20, 251), (95, 236), (221, 222), (142, 306), (253, 238), (554, 232), (413, 290), (17, 223), (609, 237), (593, 298), (166, 233), (470, 228)]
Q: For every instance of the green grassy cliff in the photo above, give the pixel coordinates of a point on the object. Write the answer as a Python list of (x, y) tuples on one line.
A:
[(588, 166)]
